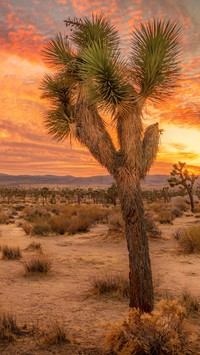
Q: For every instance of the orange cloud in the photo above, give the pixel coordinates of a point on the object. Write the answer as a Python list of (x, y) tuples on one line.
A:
[(24, 29)]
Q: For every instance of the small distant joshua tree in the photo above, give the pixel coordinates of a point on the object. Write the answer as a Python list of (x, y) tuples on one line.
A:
[(181, 177), (91, 77)]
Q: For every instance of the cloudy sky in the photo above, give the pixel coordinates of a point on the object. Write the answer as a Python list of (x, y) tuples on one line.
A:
[(25, 27)]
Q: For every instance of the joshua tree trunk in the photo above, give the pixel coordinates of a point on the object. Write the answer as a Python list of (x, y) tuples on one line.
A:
[(127, 169), (140, 277), (191, 200)]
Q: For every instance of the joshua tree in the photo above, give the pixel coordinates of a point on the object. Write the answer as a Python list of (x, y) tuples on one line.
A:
[(92, 77), (180, 176)]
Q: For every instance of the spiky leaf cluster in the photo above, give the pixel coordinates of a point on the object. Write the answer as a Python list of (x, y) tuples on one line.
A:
[(91, 68), (155, 58), (86, 31)]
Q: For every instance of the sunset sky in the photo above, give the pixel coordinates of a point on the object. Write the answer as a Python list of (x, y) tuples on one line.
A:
[(25, 27)]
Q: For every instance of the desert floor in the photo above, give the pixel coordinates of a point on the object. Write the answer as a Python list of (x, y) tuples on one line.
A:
[(65, 294)]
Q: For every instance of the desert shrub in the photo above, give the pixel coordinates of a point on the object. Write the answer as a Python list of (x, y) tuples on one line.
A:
[(110, 284), (69, 210), (197, 207), (9, 328), (4, 219), (27, 227), (157, 206), (55, 211), (59, 224), (94, 213), (189, 240), (176, 234), (38, 265), (190, 302), (165, 217), (176, 212), (19, 208), (182, 206), (116, 222), (41, 229), (35, 215), (11, 253), (164, 331), (34, 246), (78, 225), (54, 335), (152, 230)]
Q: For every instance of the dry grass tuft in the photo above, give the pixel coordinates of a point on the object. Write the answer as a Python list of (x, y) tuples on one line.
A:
[(190, 302), (165, 217), (11, 253), (54, 335), (165, 331), (78, 225), (189, 240), (152, 230), (38, 265), (9, 328), (34, 246), (4, 218), (41, 228), (110, 284), (116, 223), (27, 227), (59, 224)]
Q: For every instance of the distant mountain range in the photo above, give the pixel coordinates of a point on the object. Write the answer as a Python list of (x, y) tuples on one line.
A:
[(68, 180)]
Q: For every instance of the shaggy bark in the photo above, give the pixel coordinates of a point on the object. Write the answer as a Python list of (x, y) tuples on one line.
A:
[(140, 277), (91, 132)]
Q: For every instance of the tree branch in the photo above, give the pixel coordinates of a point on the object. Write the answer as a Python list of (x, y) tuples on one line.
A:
[(91, 132), (129, 131), (149, 147)]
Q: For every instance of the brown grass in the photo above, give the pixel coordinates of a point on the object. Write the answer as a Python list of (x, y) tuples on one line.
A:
[(110, 284), (165, 331), (34, 246), (190, 302), (165, 217), (27, 227), (189, 240), (11, 253), (38, 265), (9, 328), (54, 334), (78, 225), (41, 228), (4, 219)]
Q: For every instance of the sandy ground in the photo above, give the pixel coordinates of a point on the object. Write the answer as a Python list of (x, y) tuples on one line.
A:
[(64, 295)]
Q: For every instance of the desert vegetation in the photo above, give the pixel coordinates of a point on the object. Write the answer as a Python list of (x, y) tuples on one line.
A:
[(88, 270)]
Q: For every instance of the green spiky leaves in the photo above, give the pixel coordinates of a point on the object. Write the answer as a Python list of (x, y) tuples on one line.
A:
[(155, 58), (59, 119), (58, 123), (58, 52), (104, 75), (97, 29)]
